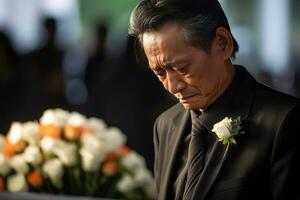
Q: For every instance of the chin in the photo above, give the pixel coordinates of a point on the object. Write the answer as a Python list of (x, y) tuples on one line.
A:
[(190, 106)]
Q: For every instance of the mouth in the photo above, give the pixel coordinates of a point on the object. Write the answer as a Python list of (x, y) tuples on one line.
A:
[(186, 98)]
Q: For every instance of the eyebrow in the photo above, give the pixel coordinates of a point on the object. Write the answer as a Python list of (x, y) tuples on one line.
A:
[(168, 64), (179, 61)]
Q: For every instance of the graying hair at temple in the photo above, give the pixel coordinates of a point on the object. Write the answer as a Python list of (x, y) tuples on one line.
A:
[(199, 18)]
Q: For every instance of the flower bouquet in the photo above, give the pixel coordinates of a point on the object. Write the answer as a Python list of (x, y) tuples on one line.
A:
[(70, 154)]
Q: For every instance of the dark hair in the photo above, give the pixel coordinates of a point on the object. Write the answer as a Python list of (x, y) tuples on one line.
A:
[(199, 18)]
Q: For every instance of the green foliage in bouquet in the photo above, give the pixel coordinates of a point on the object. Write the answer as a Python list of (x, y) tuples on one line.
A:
[(68, 153)]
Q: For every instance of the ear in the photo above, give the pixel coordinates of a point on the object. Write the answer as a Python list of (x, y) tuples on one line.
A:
[(223, 42)]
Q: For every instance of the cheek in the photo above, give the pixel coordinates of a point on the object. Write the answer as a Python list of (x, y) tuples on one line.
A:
[(194, 82), (165, 84), (201, 85), (200, 79)]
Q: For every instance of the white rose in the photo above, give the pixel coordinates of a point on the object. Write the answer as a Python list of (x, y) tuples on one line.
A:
[(133, 161), (17, 183), (93, 144), (143, 176), (15, 132), (92, 152), (76, 119), (48, 118), (66, 152), (53, 169), (4, 165), (126, 184), (51, 145), (62, 115), (222, 128), (113, 138), (97, 124), (90, 139), (47, 144), (19, 164), (32, 155), (56, 117), (30, 132), (90, 162)]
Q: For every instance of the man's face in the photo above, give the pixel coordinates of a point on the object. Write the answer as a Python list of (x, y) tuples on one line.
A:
[(189, 73)]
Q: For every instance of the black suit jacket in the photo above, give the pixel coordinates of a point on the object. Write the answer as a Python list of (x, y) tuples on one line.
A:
[(264, 163)]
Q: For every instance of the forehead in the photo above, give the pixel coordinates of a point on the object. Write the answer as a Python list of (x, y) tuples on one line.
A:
[(169, 38)]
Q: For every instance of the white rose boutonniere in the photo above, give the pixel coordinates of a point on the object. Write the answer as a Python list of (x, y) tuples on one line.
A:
[(227, 129)]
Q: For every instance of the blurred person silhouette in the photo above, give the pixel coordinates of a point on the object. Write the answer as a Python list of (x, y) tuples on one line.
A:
[(95, 68), (46, 62), (16, 94), (100, 74)]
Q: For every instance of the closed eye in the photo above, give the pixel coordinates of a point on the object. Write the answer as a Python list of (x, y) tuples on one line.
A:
[(180, 70), (159, 73)]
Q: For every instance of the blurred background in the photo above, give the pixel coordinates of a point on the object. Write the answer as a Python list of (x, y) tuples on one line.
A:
[(76, 55)]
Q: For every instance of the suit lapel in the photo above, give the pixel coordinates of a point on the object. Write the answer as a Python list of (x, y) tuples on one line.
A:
[(237, 106), (179, 128)]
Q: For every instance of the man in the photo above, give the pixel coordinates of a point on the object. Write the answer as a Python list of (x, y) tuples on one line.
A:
[(252, 155)]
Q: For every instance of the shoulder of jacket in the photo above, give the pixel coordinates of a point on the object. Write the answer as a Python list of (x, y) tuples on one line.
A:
[(272, 104), (171, 113), (275, 95)]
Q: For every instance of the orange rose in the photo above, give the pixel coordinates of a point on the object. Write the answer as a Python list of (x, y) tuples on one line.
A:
[(72, 132), (110, 168), (20, 145), (2, 185), (35, 179), (111, 156), (123, 151), (50, 130), (8, 149), (87, 131)]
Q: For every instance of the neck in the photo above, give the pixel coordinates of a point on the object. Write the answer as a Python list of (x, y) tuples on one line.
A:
[(226, 79)]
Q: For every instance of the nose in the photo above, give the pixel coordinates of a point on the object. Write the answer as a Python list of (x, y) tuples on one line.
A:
[(174, 82)]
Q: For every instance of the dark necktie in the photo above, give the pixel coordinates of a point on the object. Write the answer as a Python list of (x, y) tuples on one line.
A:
[(196, 153)]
